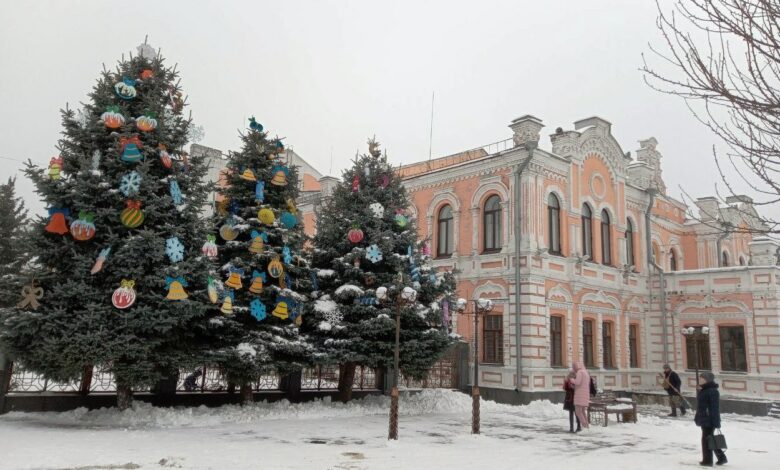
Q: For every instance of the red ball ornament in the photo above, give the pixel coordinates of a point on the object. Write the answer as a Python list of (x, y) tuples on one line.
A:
[(124, 295), (355, 235)]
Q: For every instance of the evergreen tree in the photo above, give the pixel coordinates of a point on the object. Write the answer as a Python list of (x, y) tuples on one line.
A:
[(123, 229), (262, 264), (13, 242), (365, 241)]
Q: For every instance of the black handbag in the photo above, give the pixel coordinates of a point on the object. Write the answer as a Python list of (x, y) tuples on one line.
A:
[(717, 441)]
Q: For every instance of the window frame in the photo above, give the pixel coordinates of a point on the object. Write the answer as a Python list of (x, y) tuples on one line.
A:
[(633, 345), (732, 367), (448, 223), (554, 225), (630, 258), (673, 260), (493, 328), (495, 235), (724, 259), (705, 358), (606, 238), (608, 344), (556, 341), (587, 231), (587, 344)]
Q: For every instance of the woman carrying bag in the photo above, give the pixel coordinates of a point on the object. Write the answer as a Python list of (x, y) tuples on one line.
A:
[(708, 419)]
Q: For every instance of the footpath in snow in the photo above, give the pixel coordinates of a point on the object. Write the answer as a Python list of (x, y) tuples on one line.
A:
[(434, 434)]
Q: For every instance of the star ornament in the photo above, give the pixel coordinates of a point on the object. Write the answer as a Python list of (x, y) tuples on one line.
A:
[(374, 253)]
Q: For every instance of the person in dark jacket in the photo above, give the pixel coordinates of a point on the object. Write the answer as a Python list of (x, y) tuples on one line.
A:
[(708, 417), (672, 384), (568, 402)]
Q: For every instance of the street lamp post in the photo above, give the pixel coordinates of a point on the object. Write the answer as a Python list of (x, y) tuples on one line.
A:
[(481, 306), (406, 296), (696, 333)]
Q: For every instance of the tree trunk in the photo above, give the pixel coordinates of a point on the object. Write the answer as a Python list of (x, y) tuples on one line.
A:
[(346, 379), (86, 380), (290, 384), (124, 396), (247, 396)]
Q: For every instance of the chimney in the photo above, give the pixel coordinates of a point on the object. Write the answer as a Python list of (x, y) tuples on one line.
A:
[(526, 129), (709, 209)]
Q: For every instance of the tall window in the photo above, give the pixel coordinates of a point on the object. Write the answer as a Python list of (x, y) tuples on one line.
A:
[(724, 259), (493, 334), (606, 341), (672, 261), (587, 232), (492, 224), (704, 352), (742, 261), (630, 243), (556, 341), (606, 239), (732, 348), (446, 232), (587, 343), (633, 345), (554, 224)]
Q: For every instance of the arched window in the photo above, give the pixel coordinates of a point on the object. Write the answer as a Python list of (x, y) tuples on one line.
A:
[(606, 239), (492, 224), (724, 259), (630, 261), (554, 224), (742, 261), (445, 232), (587, 232), (672, 261)]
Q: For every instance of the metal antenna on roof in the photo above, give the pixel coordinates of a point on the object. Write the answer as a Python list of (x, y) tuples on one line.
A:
[(330, 169), (430, 139)]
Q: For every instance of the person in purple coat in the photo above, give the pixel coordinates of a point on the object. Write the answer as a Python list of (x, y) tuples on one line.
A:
[(581, 382)]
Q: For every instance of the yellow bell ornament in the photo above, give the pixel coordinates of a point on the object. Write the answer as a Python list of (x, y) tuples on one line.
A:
[(258, 241), (248, 175), (280, 311), (257, 283), (234, 280), (176, 288), (227, 304)]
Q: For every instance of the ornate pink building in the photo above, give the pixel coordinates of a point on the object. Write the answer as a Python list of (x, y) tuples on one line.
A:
[(559, 236)]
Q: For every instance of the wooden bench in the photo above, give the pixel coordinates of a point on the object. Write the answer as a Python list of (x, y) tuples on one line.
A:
[(605, 403)]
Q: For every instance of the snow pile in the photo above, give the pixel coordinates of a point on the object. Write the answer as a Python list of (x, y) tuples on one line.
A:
[(144, 415)]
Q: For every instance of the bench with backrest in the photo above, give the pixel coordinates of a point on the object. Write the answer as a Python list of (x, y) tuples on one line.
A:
[(606, 403)]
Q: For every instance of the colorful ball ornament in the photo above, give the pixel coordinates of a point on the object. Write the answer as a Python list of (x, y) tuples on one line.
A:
[(355, 235), (266, 216), (401, 220), (146, 74), (288, 220), (175, 286), (132, 216), (174, 249), (228, 232), (130, 184), (275, 268), (83, 228), (130, 149), (126, 89), (124, 295), (165, 157), (112, 118), (55, 168), (209, 248), (57, 223), (146, 123)]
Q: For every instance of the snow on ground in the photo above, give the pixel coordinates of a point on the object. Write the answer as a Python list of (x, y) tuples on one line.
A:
[(434, 434)]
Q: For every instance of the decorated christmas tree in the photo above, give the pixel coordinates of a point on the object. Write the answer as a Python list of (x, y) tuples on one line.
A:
[(366, 242), (264, 275), (121, 281)]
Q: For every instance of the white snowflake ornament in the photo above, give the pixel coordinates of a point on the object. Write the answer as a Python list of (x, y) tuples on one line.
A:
[(130, 185), (174, 249), (374, 253), (378, 209)]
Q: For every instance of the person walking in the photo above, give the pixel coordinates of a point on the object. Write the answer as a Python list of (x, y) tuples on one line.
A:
[(672, 384), (581, 382), (708, 417), (568, 402)]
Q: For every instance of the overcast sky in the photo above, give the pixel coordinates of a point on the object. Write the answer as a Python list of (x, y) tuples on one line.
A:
[(328, 74)]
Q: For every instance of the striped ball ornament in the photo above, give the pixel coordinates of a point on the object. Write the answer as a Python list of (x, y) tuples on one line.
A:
[(132, 216)]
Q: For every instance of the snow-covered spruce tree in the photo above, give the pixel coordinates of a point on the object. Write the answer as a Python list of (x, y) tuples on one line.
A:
[(365, 240), (119, 256), (13, 243), (263, 271)]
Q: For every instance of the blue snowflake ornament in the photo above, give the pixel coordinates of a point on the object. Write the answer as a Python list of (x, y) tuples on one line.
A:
[(374, 253), (257, 310), (130, 185), (287, 255), (174, 249), (176, 193)]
